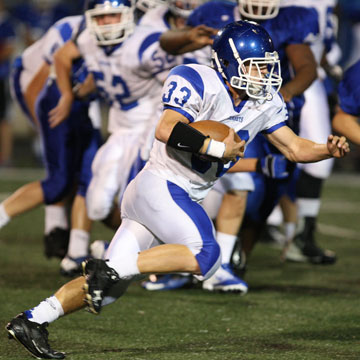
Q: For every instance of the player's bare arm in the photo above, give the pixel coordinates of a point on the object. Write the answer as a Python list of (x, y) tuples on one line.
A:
[(304, 65), (63, 59), (183, 137), (189, 39), (86, 88), (34, 88), (301, 150), (347, 125)]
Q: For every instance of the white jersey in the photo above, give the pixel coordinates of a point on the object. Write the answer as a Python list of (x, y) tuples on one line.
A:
[(43, 50), (156, 17), (199, 93)]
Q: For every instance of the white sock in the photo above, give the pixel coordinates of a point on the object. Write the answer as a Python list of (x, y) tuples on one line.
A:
[(290, 228), (47, 311), (55, 216), (78, 243), (4, 217), (308, 207), (226, 243)]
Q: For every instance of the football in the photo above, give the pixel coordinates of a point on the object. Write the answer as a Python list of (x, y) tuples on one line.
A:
[(216, 130)]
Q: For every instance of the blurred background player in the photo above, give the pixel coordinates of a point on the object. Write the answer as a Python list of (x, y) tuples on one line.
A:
[(68, 150), (132, 88), (314, 125), (346, 119), (7, 38)]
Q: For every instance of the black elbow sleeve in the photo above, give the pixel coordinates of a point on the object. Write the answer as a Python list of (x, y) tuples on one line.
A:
[(185, 138)]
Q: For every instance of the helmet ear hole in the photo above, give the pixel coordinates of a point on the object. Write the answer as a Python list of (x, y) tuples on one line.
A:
[(225, 62)]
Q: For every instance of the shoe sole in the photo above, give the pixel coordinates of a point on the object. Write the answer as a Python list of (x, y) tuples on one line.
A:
[(226, 289), (12, 335), (88, 298)]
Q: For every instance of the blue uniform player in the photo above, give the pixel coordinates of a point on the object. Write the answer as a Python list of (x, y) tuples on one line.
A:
[(7, 38), (68, 149), (346, 118)]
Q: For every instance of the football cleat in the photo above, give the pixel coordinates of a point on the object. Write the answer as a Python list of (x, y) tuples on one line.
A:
[(33, 336), (71, 267), (225, 280), (99, 279), (56, 243), (98, 249), (168, 282), (305, 243)]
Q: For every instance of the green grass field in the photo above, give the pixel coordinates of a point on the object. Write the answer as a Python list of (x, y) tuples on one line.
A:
[(292, 311)]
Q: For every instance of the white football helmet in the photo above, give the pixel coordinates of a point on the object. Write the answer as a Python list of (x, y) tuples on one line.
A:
[(183, 8), (112, 33), (145, 5), (259, 9)]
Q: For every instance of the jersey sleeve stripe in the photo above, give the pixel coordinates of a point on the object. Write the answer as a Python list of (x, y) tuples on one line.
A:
[(181, 111), (152, 38), (65, 31), (191, 76), (273, 128)]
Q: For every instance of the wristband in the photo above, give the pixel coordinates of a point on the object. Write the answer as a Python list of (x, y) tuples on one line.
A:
[(215, 149)]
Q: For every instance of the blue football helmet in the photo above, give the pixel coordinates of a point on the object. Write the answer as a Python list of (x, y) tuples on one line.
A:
[(183, 8), (259, 9), (243, 53), (112, 33)]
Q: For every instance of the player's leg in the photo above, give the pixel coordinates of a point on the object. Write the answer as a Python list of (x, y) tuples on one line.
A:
[(229, 218), (312, 176), (168, 213), (6, 135), (87, 144)]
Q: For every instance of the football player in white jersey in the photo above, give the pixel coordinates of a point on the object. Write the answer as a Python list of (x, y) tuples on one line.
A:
[(164, 229), (33, 84)]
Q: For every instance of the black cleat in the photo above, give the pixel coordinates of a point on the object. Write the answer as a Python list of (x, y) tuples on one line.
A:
[(99, 279), (305, 241), (33, 336), (56, 243)]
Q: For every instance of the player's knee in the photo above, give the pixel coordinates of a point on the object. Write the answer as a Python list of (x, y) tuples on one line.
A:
[(209, 259), (55, 188), (98, 205)]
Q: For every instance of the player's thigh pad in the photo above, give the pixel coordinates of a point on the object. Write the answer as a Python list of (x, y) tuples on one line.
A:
[(168, 212)]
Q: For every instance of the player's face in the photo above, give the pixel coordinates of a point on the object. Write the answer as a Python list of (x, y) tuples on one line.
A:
[(108, 19)]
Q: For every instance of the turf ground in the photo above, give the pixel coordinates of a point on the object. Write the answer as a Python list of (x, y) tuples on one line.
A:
[(292, 311)]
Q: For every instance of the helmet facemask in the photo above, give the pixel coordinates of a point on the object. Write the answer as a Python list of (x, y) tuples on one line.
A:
[(259, 9), (251, 77), (110, 34), (183, 8)]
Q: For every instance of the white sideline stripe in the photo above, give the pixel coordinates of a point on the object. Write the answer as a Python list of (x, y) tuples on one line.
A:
[(337, 231)]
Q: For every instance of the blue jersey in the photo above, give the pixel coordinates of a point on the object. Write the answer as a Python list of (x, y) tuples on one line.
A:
[(293, 25), (349, 90), (7, 35)]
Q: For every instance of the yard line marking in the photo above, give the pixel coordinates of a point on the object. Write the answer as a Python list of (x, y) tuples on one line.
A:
[(337, 231), (339, 207)]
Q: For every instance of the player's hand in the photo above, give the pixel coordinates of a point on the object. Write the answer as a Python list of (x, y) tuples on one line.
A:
[(201, 35), (233, 149), (337, 146), (273, 166), (61, 111), (286, 94)]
